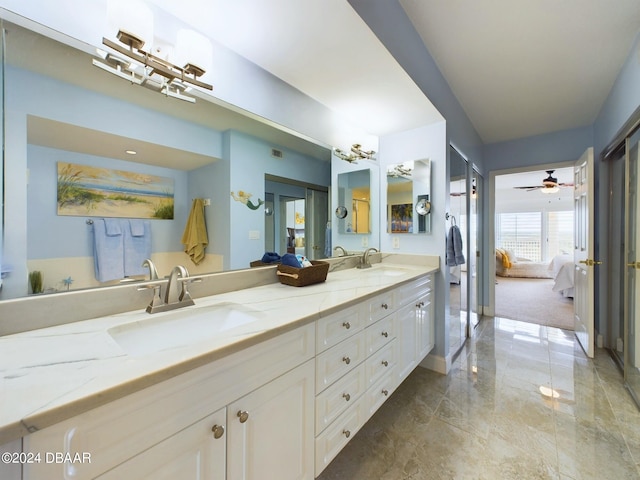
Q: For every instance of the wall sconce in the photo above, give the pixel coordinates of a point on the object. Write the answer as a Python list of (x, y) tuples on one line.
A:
[(139, 66), (355, 154)]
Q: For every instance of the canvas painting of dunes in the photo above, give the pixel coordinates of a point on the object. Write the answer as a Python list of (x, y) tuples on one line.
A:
[(102, 192)]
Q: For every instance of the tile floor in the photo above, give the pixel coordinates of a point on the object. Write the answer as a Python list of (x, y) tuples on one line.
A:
[(490, 418)]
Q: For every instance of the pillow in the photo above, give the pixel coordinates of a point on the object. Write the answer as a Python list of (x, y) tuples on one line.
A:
[(512, 256)]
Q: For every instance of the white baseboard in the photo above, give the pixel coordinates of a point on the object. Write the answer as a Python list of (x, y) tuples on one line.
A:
[(436, 363)]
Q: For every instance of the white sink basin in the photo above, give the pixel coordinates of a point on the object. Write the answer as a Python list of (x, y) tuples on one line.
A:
[(390, 270), (183, 327)]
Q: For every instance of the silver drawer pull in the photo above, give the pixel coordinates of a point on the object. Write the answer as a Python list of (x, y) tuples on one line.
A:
[(346, 360), (346, 396), (346, 433), (385, 334), (346, 325), (218, 431), (385, 306), (385, 363), (243, 415), (385, 392)]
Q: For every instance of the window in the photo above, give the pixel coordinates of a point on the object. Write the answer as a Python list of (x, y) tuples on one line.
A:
[(525, 232)]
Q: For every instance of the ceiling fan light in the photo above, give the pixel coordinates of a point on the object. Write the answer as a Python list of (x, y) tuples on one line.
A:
[(553, 189)]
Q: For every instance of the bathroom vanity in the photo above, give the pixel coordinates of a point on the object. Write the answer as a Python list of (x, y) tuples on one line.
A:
[(274, 389)]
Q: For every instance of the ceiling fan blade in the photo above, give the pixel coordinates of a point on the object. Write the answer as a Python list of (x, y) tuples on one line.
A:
[(529, 188)]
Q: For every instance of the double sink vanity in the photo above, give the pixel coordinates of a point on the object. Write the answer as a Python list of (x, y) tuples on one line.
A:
[(266, 382)]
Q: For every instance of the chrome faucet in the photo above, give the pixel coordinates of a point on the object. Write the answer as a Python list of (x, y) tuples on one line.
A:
[(364, 261), (153, 273), (172, 298), (344, 252)]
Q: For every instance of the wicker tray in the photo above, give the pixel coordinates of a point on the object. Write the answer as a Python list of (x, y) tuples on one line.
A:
[(299, 277)]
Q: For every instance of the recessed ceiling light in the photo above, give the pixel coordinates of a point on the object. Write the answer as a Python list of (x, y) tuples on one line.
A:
[(130, 152)]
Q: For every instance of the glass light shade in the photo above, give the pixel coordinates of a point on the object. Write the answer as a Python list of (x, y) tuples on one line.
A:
[(193, 48), (133, 17), (550, 190)]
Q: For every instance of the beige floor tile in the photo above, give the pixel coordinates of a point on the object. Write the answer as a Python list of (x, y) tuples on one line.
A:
[(489, 419)]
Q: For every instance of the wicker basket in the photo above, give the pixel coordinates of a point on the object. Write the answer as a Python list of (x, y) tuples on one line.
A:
[(299, 277), (260, 263)]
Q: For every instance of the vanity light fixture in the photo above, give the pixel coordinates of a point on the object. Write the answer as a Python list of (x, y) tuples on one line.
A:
[(137, 64), (400, 170), (355, 154)]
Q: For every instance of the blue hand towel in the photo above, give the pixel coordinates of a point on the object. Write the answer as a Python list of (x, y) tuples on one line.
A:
[(137, 246), (455, 255), (112, 227), (108, 251), (270, 257), (290, 260)]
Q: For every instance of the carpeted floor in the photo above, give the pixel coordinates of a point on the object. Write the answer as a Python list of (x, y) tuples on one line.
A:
[(531, 300)]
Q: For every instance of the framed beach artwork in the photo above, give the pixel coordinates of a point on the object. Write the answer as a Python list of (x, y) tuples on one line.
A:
[(84, 190), (401, 218)]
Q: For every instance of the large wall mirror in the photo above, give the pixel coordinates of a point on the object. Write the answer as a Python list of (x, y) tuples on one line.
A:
[(353, 213), (409, 197), (59, 108)]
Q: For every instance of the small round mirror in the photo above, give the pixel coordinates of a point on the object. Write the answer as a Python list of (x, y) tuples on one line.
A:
[(423, 207), (341, 212)]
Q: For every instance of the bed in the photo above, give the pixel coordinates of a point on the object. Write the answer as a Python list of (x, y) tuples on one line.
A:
[(508, 265), (563, 271)]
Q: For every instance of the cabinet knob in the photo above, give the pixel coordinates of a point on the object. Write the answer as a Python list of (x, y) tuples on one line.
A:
[(346, 433), (346, 325), (385, 392), (218, 431), (243, 415), (385, 334), (346, 360), (385, 363), (385, 306), (346, 396)]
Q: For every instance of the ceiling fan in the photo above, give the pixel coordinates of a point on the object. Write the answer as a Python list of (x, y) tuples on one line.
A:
[(549, 184)]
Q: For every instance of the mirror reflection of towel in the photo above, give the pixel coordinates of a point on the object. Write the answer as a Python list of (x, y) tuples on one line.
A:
[(455, 255), (195, 237)]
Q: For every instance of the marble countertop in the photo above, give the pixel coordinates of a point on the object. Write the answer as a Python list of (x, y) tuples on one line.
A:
[(55, 373)]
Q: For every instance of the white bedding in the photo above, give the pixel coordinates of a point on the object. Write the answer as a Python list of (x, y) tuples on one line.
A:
[(562, 267)]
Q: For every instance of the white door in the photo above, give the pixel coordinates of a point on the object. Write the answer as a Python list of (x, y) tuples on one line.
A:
[(584, 252)]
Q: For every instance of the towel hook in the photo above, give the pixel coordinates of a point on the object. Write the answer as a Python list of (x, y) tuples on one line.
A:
[(89, 221)]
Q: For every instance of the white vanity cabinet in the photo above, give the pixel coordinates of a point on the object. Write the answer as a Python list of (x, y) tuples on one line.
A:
[(415, 324), (173, 425)]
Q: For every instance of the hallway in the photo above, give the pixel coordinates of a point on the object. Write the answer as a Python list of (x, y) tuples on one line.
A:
[(490, 419)]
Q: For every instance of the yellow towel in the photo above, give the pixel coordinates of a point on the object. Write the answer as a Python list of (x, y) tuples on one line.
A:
[(195, 237)]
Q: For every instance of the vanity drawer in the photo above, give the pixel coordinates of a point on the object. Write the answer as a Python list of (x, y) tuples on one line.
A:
[(380, 333), (415, 289), (337, 435), (339, 396), (381, 362), (382, 305), (379, 393), (334, 328), (338, 360)]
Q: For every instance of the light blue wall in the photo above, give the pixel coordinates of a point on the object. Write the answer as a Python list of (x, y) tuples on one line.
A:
[(251, 160), (52, 236)]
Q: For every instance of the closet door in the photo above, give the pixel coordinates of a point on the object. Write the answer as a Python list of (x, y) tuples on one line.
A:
[(632, 277)]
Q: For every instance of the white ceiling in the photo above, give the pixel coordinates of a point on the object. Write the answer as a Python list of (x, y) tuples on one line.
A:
[(527, 67), (518, 68)]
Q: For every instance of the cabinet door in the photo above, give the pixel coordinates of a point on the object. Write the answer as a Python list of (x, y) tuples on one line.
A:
[(271, 430), (196, 453), (407, 344), (425, 327)]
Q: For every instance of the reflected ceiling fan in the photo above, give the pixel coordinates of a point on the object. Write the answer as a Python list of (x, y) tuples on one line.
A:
[(549, 184)]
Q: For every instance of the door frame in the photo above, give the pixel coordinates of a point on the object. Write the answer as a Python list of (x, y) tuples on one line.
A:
[(490, 222)]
